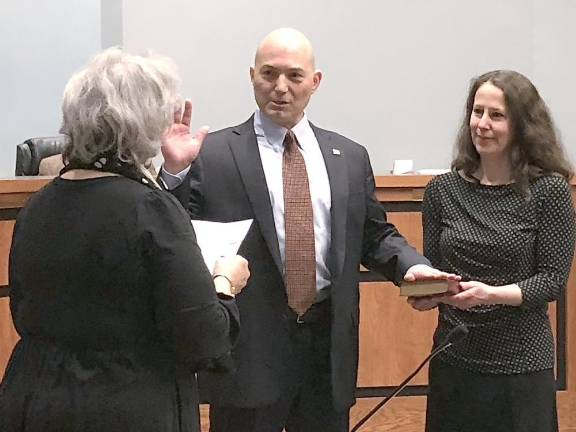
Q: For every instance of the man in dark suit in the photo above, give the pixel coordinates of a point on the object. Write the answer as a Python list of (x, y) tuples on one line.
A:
[(295, 365)]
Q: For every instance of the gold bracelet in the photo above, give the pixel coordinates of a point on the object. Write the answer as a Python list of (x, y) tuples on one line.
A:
[(232, 288)]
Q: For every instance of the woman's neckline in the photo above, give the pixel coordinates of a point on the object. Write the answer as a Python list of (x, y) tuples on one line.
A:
[(477, 181), (84, 174)]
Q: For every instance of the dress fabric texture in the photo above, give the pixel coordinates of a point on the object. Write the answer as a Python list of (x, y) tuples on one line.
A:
[(494, 235), (115, 308)]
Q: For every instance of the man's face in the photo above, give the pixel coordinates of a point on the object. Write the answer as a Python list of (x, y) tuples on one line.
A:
[(283, 80)]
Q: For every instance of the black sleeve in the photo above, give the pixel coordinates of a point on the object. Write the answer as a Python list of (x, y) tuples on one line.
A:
[(189, 315), (189, 192), (385, 250)]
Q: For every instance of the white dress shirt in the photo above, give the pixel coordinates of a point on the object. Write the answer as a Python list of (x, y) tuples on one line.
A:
[(270, 138)]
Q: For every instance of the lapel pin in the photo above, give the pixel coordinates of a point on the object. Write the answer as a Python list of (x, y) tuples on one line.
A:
[(336, 152)]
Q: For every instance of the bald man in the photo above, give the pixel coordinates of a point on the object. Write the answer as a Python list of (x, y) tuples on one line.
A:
[(295, 364)]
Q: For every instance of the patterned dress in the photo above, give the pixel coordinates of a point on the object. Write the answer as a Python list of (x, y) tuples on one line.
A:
[(494, 235)]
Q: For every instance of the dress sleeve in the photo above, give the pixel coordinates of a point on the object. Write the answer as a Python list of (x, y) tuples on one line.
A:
[(554, 245), (189, 315), (432, 223)]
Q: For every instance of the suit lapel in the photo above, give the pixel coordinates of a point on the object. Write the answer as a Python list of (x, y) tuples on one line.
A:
[(334, 158), (244, 148)]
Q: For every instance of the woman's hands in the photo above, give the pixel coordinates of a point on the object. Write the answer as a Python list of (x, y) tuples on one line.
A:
[(425, 303), (231, 275), (472, 293)]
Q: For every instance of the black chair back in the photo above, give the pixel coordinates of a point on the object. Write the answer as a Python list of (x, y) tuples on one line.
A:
[(33, 150)]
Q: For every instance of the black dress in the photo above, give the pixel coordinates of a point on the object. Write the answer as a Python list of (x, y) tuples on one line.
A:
[(115, 309)]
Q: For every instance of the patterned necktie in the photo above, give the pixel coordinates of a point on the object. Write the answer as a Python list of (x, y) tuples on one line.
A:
[(299, 252)]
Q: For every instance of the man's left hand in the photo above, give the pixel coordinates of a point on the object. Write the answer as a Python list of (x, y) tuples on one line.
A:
[(425, 272)]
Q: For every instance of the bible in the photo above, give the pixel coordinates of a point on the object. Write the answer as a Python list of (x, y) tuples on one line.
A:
[(423, 288)]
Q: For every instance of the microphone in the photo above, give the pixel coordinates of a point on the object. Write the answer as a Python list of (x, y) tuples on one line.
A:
[(453, 337)]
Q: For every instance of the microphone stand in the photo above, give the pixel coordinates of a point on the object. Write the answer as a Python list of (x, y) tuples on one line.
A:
[(453, 337)]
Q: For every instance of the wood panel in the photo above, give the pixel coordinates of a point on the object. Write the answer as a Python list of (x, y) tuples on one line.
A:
[(401, 188), (394, 338), (8, 335), (14, 192), (6, 228)]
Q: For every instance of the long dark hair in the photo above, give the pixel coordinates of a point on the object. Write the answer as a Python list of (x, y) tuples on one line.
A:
[(535, 147)]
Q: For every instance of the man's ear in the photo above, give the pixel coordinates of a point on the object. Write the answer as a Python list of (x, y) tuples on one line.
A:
[(252, 74), (316, 79)]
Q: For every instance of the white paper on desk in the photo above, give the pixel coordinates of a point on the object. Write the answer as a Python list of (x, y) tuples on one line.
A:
[(219, 239)]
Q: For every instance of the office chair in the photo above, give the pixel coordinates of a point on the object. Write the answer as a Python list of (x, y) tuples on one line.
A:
[(33, 150)]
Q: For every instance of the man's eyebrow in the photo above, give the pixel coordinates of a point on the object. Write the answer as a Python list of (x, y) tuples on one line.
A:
[(291, 69)]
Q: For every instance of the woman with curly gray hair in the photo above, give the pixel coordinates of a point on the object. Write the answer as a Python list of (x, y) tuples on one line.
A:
[(109, 292)]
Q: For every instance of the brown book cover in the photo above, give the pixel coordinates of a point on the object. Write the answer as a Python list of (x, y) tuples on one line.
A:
[(423, 288)]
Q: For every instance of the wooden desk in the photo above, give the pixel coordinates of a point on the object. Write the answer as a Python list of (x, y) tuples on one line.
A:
[(393, 337)]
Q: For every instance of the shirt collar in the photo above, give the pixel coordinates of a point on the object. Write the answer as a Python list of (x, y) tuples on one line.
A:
[(275, 134)]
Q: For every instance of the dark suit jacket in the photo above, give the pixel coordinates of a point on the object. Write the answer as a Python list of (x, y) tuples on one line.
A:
[(227, 183)]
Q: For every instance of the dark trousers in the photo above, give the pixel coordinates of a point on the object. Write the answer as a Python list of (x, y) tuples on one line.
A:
[(306, 402), (461, 401)]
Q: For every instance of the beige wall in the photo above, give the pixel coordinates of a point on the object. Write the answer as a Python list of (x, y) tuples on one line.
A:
[(396, 72)]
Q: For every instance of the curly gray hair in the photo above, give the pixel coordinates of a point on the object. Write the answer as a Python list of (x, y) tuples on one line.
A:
[(121, 103)]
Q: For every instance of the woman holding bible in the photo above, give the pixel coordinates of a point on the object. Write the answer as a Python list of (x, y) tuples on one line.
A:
[(503, 219)]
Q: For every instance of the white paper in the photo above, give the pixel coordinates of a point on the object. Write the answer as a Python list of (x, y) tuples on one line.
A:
[(219, 239), (402, 166)]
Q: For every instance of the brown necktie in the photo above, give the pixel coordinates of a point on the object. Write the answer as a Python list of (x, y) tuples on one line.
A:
[(299, 252)]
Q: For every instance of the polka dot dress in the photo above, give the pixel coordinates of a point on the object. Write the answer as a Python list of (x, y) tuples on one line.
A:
[(495, 235)]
